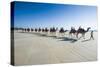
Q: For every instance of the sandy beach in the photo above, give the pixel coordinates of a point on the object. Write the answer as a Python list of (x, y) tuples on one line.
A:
[(33, 48)]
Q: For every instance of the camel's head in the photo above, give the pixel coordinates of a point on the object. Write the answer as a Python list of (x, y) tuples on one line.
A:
[(89, 27)]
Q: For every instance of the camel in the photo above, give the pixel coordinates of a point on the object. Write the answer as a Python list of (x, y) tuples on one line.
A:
[(25, 30), (32, 29), (46, 29), (53, 31), (62, 31), (82, 31), (43, 30), (72, 31), (28, 29), (39, 30), (36, 29)]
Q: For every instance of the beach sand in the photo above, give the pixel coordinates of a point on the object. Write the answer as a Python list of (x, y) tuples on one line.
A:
[(33, 48)]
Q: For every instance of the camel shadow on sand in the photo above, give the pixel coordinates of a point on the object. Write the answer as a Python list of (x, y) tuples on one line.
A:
[(43, 35), (68, 39), (61, 38)]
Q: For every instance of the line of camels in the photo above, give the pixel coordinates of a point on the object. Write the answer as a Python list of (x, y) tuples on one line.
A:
[(53, 30)]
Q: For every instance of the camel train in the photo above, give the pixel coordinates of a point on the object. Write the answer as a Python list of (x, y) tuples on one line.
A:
[(53, 31)]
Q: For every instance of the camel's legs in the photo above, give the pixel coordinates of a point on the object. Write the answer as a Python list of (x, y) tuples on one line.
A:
[(59, 34), (70, 35), (77, 35), (83, 35), (74, 35), (63, 34)]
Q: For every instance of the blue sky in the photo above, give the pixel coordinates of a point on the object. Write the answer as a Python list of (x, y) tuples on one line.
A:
[(35, 15)]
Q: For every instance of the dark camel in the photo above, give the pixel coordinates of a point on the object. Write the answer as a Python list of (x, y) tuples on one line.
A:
[(62, 31), (53, 31), (72, 31), (82, 31), (39, 30), (46, 29), (43, 30), (32, 29), (36, 29), (28, 29)]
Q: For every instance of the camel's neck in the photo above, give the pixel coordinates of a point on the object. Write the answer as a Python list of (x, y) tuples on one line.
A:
[(87, 30)]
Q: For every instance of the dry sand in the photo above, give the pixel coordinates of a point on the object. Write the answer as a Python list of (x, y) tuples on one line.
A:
[(33, 48)]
